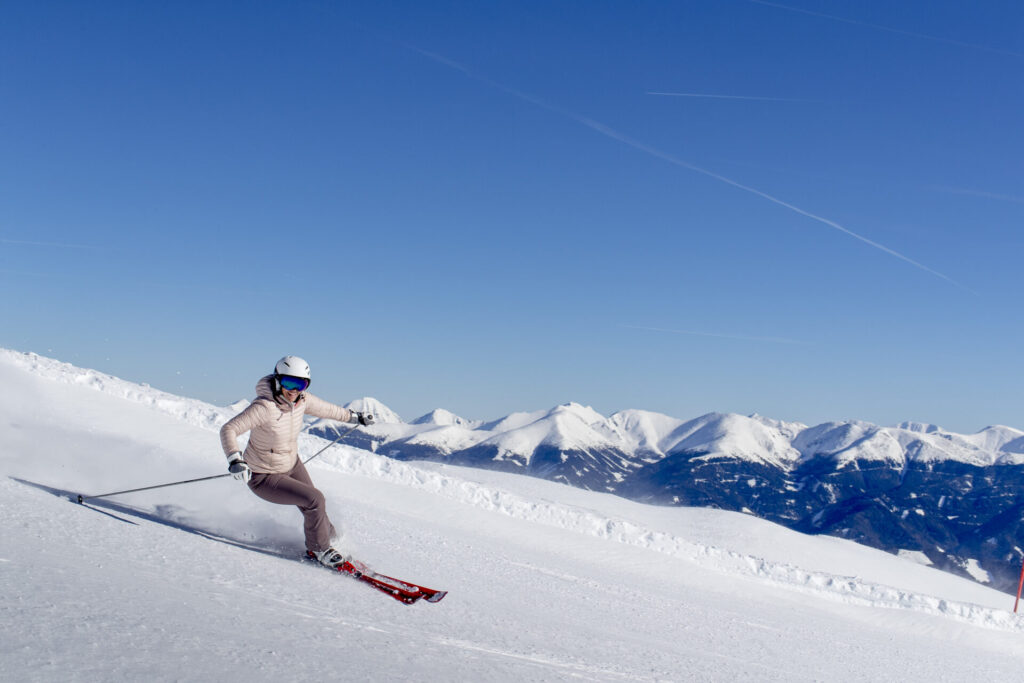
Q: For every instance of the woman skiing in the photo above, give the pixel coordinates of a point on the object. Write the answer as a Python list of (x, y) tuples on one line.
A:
[(271, 465)]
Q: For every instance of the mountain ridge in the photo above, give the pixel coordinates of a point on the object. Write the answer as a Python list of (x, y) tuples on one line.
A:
[(784, 444)]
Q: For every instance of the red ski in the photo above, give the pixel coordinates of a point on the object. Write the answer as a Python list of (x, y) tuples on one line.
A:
[(403, 591)]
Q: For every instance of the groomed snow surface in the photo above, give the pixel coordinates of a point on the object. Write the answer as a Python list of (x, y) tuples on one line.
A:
[(203, 582)]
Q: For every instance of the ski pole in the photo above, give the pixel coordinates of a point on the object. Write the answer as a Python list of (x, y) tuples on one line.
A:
[(82, 499), (343, 435)]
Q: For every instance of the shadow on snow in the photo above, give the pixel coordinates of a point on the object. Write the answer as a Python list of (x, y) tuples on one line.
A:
[(109, 509)]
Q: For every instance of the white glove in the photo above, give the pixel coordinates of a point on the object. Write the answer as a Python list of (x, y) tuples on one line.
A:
[(237, 467)]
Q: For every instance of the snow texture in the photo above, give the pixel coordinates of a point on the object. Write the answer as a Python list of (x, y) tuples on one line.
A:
[(547, 582)]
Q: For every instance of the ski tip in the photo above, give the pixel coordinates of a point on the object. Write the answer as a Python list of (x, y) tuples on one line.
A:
[(436, 597)]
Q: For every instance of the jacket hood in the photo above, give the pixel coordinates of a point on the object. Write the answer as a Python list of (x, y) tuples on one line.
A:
[(265, 388)]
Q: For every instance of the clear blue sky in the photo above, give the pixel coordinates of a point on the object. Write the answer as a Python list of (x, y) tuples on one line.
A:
[(810, 209)]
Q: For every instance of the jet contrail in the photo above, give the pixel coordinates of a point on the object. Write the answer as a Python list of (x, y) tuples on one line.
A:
[(719, 335), (979, 193), (61, 245), (29, 273), (722, 97), (914, 34), (665, 156)]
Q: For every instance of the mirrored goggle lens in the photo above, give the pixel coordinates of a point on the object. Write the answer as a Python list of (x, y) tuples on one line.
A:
[(294, 383)]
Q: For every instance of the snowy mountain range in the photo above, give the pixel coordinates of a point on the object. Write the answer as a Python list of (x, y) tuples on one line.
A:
[(954, 499), (644, 436)]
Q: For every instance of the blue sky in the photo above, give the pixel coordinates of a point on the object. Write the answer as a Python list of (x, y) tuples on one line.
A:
[(810, 209)]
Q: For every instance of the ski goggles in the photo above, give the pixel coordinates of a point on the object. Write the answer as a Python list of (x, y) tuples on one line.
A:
[(293, 383)]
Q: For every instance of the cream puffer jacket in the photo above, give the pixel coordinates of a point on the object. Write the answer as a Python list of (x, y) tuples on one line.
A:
[(275, 425)]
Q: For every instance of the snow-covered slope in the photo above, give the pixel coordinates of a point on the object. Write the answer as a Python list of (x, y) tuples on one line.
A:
[(735, 437), (200, 582), (566, 427)]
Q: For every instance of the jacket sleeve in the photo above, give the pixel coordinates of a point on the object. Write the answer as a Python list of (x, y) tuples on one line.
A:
[(317, 407), (253, 416)]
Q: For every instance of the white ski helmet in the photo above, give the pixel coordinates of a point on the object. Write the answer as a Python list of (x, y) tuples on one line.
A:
[(293, 366)]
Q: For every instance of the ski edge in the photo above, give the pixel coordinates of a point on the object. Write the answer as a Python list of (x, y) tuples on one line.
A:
[(403, 591)]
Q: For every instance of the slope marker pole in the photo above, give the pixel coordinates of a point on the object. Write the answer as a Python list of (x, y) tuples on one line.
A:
[(1019, 587)]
